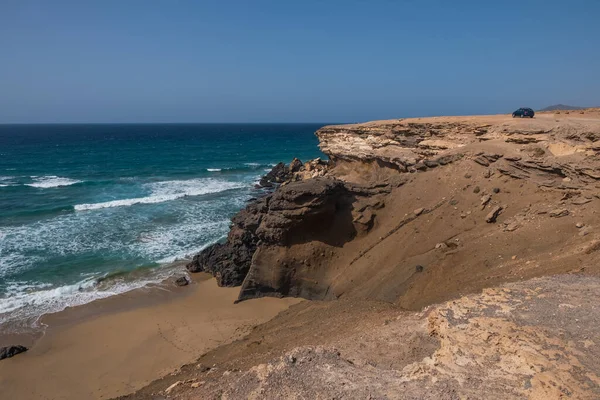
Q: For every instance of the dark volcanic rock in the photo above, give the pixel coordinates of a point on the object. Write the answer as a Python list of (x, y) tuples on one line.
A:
[(295, 166), (229, 262), (281, 173), (318, 209), (10, 351), (182, 281)]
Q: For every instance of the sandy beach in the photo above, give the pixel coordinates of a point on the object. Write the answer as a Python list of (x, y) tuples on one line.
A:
[(117, 345)]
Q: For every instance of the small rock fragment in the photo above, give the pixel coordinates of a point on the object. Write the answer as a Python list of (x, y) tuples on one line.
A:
[(173, 386), (477, 189), (579, 225), (202, 367), (419, 268), (513, 226), (441, 245), (419, 211), (491, 217), (559, 212), (484, 200), (496, 190)]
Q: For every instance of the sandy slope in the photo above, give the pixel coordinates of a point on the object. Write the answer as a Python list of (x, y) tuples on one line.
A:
[(442, 208)]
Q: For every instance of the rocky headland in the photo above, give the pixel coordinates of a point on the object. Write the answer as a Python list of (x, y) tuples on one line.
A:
[(445, 257)]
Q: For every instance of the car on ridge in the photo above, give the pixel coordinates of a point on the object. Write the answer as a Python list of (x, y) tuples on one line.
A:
[(523, 112)]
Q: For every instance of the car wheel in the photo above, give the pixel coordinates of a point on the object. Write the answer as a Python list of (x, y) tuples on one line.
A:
[(521, 115), (531, 116)]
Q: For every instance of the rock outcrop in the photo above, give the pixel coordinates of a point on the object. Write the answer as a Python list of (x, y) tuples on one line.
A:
[(295, 171), (297, 213)]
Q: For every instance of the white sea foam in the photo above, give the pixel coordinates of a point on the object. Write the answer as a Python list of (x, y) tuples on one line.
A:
[(187, 254), (27, 302), (6, 181), (168, 191), (214, 169), (51, 181), (163, 238)]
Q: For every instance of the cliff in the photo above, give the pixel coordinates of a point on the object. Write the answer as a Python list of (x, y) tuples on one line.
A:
[(462, 255), (419, 210)]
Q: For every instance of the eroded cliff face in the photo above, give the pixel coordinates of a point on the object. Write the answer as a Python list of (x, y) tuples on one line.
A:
[(419, 210)]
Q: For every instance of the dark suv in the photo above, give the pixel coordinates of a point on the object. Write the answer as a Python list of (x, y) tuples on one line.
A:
[(523, 112)]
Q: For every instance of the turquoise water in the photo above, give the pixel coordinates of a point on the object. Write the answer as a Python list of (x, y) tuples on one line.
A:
[(89, 211)]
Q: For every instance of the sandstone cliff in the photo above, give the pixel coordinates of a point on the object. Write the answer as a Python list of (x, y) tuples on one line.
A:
[(419, 210), (462, 253)]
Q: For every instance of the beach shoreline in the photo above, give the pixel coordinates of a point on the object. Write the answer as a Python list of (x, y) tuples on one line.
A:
[(114, 346)]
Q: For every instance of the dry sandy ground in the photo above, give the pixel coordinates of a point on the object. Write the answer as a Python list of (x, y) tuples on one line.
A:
[(118, 345), (536, 339)]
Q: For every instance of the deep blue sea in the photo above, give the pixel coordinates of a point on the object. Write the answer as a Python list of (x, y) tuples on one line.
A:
[(89, 211)]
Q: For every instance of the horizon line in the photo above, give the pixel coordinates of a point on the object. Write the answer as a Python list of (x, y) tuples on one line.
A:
[(168, 123)]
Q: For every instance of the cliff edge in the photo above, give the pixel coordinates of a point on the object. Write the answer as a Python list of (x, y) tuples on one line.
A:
[(419, 210)]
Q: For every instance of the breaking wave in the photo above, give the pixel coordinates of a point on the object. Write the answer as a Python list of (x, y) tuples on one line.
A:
[(51, 181), (168, 191)]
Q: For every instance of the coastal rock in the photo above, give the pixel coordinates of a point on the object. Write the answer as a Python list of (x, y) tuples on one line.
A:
[(295, 171), (182, 281), (11, 351), (295, 213), (278, 174)]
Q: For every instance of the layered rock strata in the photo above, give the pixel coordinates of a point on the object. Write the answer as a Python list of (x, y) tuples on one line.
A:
[(348, 227)]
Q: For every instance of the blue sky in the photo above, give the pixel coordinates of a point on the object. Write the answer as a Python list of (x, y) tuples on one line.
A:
[(292, 61)]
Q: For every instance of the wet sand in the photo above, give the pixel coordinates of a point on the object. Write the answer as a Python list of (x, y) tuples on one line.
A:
[(117, 345)]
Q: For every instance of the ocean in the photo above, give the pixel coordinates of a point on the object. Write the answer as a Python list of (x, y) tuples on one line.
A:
[(91, 211)]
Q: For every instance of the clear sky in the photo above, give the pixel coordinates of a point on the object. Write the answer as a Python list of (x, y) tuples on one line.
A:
[(292, 61)]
